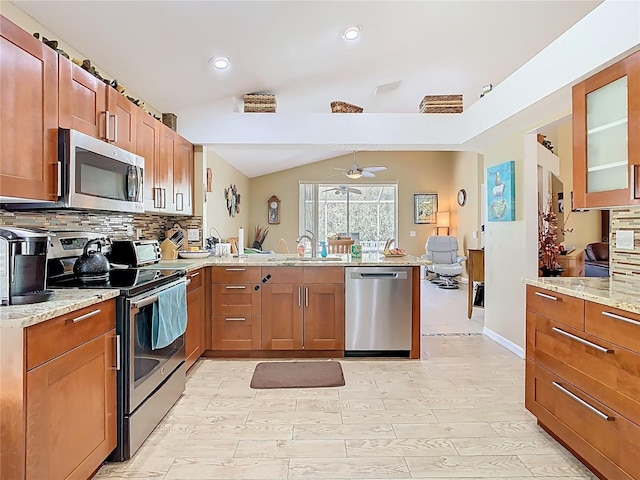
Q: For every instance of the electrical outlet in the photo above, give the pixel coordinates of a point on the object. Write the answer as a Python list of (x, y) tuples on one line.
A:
[(193, 234), (138, 233), (475, 234), (624, 239), (412, 233)]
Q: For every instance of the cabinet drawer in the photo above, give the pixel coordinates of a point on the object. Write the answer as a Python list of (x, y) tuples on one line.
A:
[(323, 275), (607, 371), (282, 274), (556, 306), (49, 339), (236, 332), (614, 325), (600, 435), (197, 279), (236, 299), (236, 274)]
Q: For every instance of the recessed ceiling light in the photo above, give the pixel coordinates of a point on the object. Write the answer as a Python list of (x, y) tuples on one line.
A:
[(352, 33), (219, 62)]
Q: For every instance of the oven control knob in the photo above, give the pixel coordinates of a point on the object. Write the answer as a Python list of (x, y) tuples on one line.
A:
[(162, 370)]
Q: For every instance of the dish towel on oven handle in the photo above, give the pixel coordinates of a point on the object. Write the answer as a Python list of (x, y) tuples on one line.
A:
[(169, 316)]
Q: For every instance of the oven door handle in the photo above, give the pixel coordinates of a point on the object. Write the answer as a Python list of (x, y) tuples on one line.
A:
[(153, 298)]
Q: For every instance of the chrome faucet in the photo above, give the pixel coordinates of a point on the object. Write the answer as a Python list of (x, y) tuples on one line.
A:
[(312, 240)]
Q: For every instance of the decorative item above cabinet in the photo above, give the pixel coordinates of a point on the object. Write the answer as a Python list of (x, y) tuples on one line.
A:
[(606, 139)]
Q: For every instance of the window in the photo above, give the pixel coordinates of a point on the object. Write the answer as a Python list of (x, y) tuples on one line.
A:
[(366, 212)]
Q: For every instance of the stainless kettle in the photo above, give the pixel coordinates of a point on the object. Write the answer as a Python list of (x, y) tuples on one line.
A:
[(91, 263)]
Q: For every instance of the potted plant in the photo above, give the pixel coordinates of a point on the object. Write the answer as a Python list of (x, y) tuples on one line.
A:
[(548, 246)]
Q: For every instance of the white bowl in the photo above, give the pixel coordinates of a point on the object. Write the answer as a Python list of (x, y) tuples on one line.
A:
[(197, 254)]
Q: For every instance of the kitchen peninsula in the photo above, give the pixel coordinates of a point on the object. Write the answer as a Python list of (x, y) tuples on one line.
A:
[(582, 366)]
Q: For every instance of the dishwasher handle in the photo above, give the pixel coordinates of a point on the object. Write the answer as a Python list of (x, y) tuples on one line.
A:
[(385, 275)]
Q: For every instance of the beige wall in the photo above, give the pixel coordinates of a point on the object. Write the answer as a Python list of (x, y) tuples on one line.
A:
[(415, 172), (216, 205), (468, 174)]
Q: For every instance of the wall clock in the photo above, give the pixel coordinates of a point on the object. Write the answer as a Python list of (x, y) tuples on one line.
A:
[(273, 205), (462, 197)]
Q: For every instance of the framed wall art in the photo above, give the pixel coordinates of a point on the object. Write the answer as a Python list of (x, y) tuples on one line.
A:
[(425, 206), (233, 200), (501, 192), (273, 207)]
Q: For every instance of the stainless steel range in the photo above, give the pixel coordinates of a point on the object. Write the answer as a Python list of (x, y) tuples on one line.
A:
[(150, 380)]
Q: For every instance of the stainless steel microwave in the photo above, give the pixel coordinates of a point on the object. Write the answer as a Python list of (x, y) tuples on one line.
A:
[(94, 175)]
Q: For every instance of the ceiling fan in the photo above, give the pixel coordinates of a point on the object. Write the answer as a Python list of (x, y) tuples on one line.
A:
[(343, 189), (354, 171)]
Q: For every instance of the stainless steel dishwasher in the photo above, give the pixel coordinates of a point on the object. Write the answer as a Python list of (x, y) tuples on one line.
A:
[(378, 311)]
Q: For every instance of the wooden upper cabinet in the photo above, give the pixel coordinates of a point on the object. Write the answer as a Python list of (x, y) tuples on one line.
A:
[(90, 106), (148, 147), (28, 115), (606, 137), (83, 100), (165, 169), (183, 175)]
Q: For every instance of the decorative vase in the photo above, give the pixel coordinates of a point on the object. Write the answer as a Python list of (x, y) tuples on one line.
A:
[(547, 272)]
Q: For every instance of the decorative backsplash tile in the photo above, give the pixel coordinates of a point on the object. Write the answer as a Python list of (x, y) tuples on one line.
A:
[(116, 225), (624, 263)]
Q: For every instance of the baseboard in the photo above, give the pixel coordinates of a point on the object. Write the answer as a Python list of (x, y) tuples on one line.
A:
[(508, 344)]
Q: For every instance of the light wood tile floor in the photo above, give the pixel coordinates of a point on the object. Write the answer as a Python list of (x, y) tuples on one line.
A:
[(456, 413)]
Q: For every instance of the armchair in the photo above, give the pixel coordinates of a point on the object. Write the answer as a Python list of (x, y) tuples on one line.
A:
[(442, 250)]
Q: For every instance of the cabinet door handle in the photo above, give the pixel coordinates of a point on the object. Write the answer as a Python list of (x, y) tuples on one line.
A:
[(299, 296), (306, 296), (235, 319), (590, 407), (115, 128), (86, 315), (550, 297), (235, 269), (118, 364), (59, 171), (164, 198), (180, 203), (106, 125), (194, 274), (583, 341), (235, 287), (620, 317), (156, 198)]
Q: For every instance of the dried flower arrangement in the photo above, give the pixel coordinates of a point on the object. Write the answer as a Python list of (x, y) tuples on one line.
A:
[(259, 236), (548, 246)]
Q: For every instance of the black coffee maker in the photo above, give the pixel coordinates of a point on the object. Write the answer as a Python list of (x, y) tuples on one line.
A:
[(23, 266)]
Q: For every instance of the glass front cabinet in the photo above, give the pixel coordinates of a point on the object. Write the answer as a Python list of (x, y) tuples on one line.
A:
[(606, 137)]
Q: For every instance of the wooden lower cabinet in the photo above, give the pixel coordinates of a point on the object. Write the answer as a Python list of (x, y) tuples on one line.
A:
[(236, 300), (303, 315), (71, 411), (582, 379), (194, 335), (58, 404)]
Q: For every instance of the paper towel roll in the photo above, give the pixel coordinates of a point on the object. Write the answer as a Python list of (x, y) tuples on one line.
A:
[(241, 241)]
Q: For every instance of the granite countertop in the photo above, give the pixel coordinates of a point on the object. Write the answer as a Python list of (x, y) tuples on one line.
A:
[(64, 301), (603, 290), (292, 260)]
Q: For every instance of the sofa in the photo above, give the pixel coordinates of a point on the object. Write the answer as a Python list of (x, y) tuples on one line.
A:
[(596, 260)]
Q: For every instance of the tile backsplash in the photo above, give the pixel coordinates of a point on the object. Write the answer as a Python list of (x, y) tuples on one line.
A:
[(625, 263), (116, 225)]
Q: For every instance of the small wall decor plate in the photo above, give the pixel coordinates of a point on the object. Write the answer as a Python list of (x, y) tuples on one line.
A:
[(196, 254)]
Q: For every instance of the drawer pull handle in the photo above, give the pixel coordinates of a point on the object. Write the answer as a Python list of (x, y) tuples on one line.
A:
[(194, 274), (583, 341), (235, 319), (620, 317), (86, 315), (236, 269), (603, 416), (235, 287), (549, 297)]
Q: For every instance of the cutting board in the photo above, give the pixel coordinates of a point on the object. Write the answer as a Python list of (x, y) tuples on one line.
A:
[(177, 236)]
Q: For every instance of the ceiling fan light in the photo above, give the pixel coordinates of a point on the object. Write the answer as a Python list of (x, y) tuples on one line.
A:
[(220, 62), (354, 174)]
